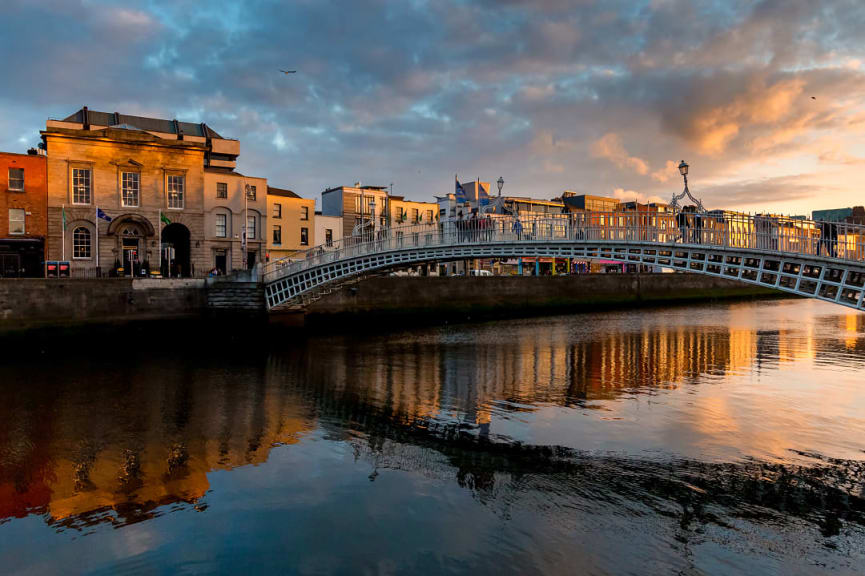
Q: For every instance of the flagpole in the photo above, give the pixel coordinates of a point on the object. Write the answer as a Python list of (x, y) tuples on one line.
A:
[(63, 230), (96, 224), (159, 242)]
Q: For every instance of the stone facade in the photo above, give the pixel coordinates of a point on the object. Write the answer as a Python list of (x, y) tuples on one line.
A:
[(108, 157), (131, 191)]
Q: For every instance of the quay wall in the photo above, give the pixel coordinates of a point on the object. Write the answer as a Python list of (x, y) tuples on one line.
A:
[(467, 297), (34, 303)]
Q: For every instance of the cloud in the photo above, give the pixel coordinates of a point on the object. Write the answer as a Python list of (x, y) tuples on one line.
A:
[(610, 147), (631, 195), (411, 92)]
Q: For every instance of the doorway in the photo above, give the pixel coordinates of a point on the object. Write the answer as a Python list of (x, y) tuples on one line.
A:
[(250, 260), (130, 256), (220, 261), (175, 251)]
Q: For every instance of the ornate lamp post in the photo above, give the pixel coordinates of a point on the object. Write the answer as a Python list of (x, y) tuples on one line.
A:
[(500, 182), (674, 203)]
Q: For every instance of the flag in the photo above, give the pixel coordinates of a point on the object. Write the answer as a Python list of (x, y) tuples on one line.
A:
[(163, 218), (459, 192), (483, 196), (63, 214), (103, 215)]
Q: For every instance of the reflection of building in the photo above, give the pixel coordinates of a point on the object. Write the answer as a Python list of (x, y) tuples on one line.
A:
[(225, 211), (354, 205), (144, 174), (23, 194), (291, 227)]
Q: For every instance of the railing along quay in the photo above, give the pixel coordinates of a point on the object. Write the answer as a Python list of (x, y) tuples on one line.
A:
[(779, 236)]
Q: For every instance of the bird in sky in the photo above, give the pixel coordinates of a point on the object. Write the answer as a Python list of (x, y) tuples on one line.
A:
[(813, 97), (287, 72)]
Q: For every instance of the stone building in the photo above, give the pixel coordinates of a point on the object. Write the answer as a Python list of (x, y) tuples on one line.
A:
[(23, 213), (291, 223), (230, 201), (128, 192)]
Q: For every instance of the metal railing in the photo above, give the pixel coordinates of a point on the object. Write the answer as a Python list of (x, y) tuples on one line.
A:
[(775, 235)]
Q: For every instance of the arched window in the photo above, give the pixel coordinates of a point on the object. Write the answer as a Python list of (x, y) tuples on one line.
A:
[(81, 242)]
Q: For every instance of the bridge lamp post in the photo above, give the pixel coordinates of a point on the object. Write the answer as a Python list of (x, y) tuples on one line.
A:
[(683, 170), (500, 182)]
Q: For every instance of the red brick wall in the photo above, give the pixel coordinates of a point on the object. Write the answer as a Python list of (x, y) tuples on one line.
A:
[(34, 198)]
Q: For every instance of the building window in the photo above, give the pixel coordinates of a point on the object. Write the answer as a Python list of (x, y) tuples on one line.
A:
[(429, 214), (221, 226), (222, 190), (250, 192), (304, 236), (175, 191), (400, 213), (81, 185), (81, 242), (130, 185), (16, 179), (250, 227), (277, 234), (414, 214), (328, 237), (304, 212), (16, 221), (277, 210)]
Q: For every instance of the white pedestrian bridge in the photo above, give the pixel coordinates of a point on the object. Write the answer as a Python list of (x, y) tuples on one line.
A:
[(815, 259)]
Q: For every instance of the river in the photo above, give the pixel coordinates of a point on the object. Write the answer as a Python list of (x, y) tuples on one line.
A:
[(723, 438)]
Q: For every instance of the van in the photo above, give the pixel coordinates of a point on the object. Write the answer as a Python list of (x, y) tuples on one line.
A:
[(481, 273)]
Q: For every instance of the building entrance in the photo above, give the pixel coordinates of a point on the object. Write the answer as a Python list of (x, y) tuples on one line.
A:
[(131, 260)]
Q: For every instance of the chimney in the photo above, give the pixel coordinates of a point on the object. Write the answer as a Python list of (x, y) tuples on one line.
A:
[(85, 118), (177, 129)]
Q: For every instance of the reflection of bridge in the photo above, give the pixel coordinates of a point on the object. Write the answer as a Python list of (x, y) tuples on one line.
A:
[(814, 259)]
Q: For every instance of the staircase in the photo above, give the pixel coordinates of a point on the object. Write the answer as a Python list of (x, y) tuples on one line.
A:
[(232, 296)]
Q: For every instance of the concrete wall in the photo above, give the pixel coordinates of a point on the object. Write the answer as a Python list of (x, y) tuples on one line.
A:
[(28, 303), (510, 295)]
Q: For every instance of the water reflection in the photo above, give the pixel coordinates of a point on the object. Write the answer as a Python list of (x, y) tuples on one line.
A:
[(701, 416)]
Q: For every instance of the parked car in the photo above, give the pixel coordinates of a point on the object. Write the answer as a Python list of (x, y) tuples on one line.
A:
[(481, 273)]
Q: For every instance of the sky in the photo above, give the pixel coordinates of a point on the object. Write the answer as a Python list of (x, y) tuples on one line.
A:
[(765, 99)]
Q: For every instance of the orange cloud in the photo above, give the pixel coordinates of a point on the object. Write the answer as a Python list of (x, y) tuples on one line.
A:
[(610, 147)]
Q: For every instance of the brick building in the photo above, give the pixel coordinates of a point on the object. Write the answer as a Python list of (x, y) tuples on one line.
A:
[(23, 206)]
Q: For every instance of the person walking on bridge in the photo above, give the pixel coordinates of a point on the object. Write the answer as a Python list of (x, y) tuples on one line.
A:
[(517, 228)]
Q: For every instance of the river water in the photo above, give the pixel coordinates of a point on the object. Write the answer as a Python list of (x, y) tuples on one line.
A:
[(714, 439)]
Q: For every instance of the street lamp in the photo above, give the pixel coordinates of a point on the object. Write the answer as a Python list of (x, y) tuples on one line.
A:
[(683, 170), (500, 182)]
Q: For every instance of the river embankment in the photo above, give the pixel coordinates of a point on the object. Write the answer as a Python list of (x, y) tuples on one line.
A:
[(388, 298), (36, 303)]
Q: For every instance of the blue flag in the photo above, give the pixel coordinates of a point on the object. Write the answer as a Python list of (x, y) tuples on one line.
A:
[(103, 215), (460, 193), (483, 196)]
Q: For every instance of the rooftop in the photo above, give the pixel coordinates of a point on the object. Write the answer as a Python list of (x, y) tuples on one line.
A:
[(271, 191), (126, 121)]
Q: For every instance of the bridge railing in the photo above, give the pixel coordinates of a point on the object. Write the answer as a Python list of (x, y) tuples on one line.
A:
[(841, 241)]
